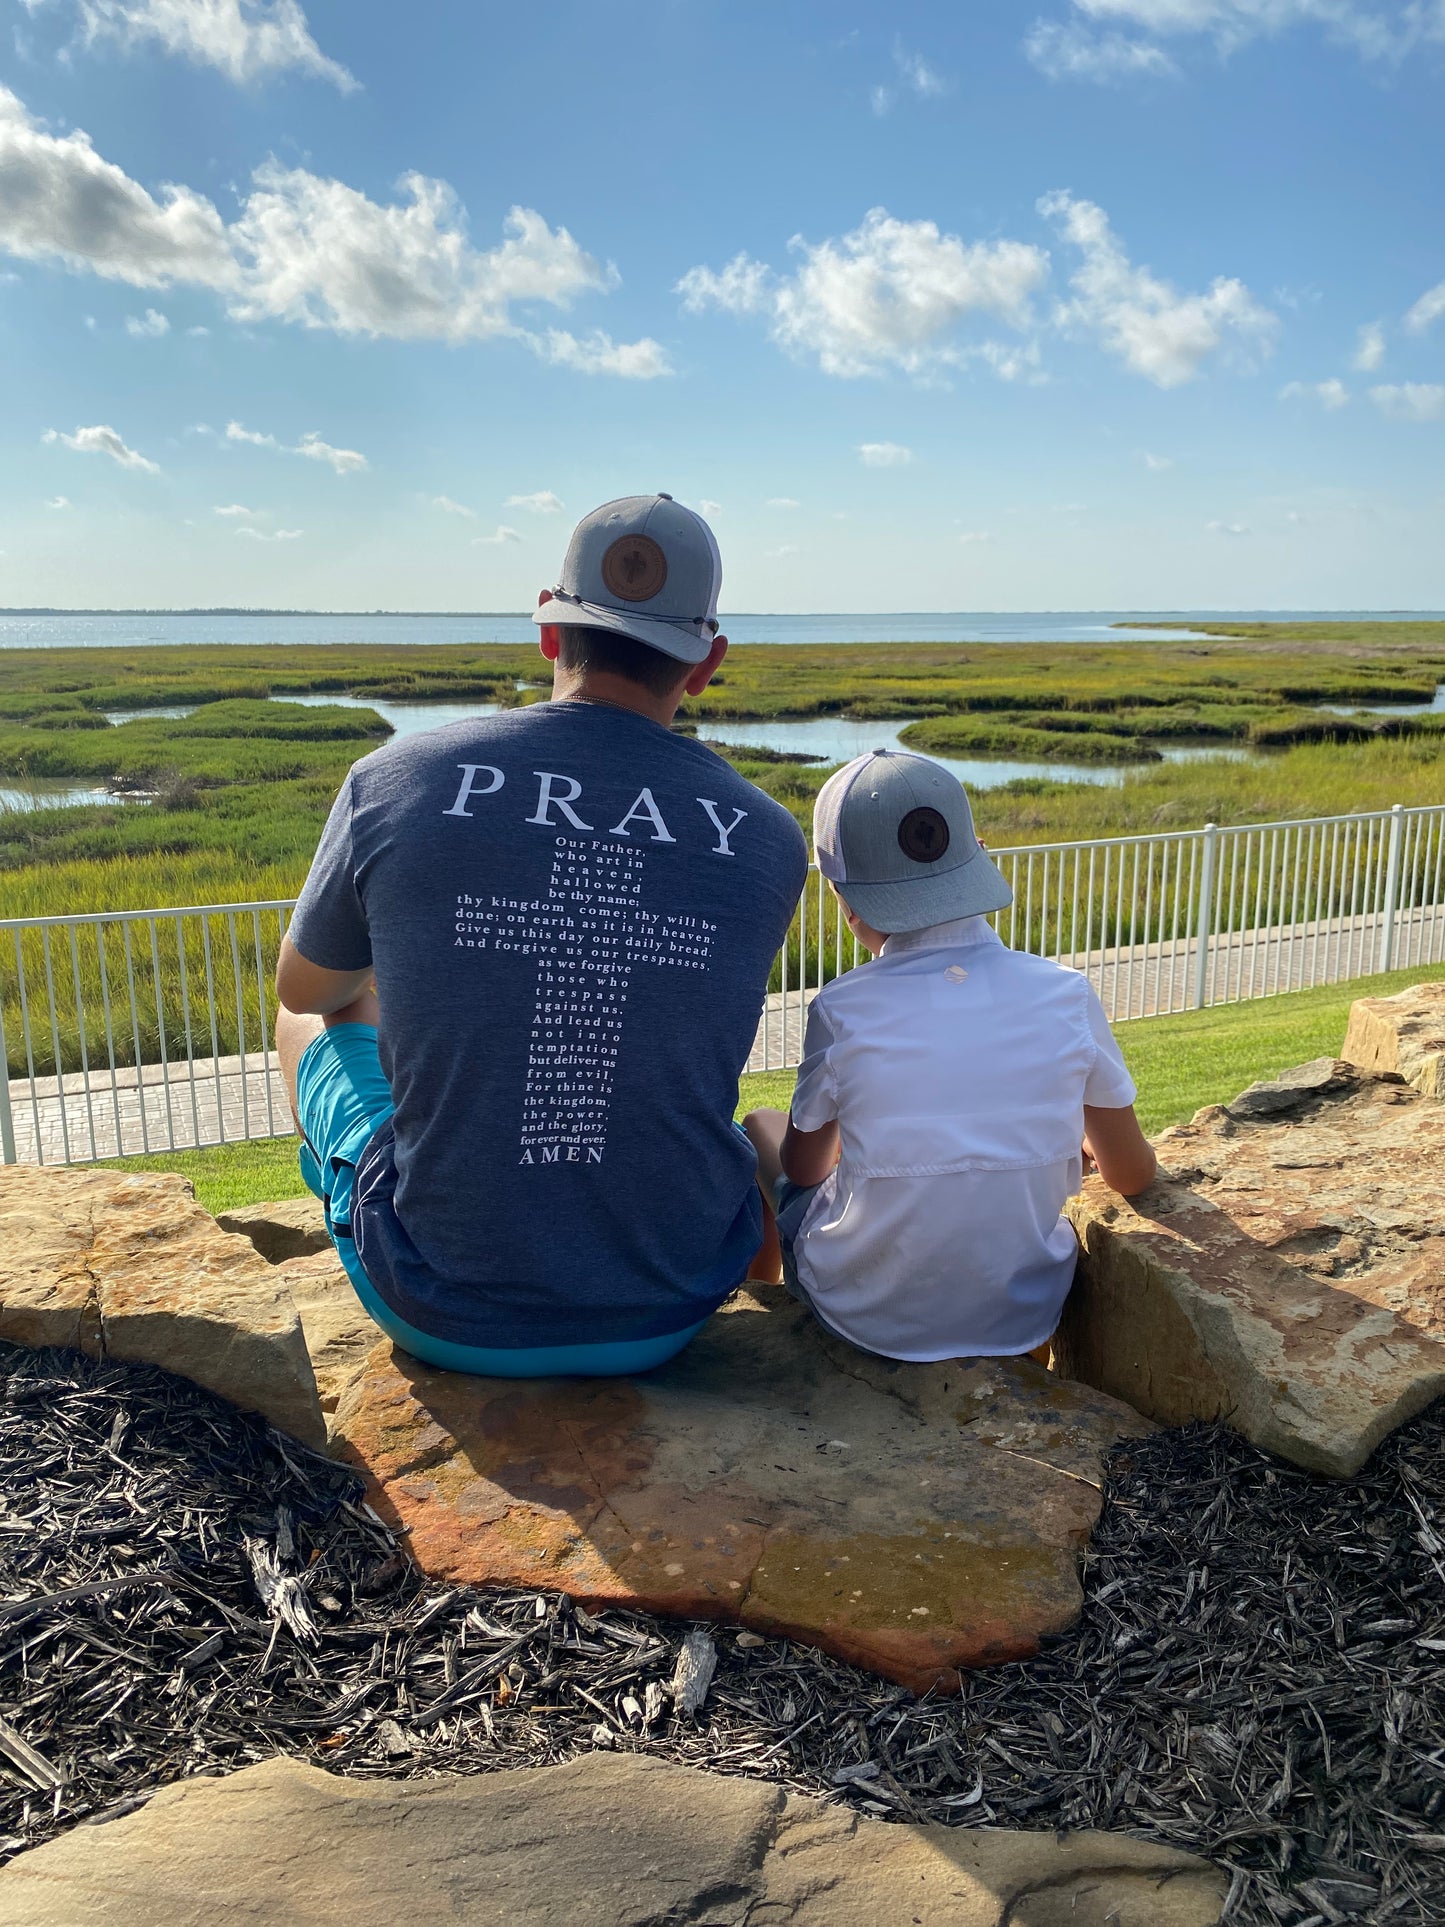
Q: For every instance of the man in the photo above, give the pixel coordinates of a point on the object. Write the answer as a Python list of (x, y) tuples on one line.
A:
[(522, 978)]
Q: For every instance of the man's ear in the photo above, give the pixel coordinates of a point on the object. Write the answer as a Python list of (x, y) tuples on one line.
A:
[(707, 668), (548, 640)]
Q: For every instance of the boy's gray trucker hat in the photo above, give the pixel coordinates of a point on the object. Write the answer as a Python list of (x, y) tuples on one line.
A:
[(896, 835), (646, 567)]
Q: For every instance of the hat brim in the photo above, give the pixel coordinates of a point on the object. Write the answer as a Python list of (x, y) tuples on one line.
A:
[(668, 638), (969, 889)]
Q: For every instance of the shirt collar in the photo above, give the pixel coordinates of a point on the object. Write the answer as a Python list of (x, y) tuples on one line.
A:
[(960, 932)]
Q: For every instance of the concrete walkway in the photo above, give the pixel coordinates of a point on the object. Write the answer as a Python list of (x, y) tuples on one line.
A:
[(209, 1100)]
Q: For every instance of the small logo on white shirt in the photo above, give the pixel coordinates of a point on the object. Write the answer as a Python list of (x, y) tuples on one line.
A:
[(956, 974)]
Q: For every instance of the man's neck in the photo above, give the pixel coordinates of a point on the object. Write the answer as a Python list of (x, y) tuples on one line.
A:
[(614, 692)]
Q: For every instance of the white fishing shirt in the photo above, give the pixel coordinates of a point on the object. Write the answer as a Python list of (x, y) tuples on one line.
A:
[(958, 1071)]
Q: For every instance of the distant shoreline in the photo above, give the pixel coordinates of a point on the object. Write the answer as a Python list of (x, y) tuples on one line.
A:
[(492, 615)]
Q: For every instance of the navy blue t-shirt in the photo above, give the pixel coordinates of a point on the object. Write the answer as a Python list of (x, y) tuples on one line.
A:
[(571, 913)]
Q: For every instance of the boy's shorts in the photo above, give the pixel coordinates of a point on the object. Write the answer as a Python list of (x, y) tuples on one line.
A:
[(790, 1207), (342, 1099)]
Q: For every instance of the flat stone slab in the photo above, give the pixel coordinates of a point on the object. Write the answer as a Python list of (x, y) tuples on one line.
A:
[(915, 1519), (338, 1333), (131, 1267), (1287, 1273), (605, 1841), (291, 1228), (1404, 1034)]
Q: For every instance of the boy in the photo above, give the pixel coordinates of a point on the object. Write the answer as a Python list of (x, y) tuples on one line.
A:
[(947, 1095)]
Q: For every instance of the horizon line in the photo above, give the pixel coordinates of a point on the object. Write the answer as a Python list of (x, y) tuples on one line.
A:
[(872, 615)]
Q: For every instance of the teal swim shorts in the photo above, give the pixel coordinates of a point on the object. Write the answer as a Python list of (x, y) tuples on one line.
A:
[(343, 1098)]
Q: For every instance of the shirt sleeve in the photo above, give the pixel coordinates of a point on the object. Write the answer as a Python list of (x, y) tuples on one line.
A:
[(328, 925), (815, 1095), (1109, 1087)]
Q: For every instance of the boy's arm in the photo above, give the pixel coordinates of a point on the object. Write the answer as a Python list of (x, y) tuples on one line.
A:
[(808, 1156), (1122, 1154)]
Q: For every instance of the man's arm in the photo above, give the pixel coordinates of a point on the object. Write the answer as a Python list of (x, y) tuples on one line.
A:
[(808, 1156), (309, 989), (1122, 1154)]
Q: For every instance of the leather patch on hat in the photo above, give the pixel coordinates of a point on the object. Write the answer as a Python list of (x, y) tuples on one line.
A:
[(923, 835), (634, 568)]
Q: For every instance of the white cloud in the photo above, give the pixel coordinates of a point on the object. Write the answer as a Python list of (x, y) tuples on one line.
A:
[(599, 354), (235, 508), (149, 327), (344, 461), (1069, 52), (306, 250), (788, 548), (1411, 401), (101, 440), (1087, 42), (705, 507), (246, 40), (1329, 394), (58, 502), (449, 507), (781, 502), (890, 294), (198, 331), (544, 502), (976, 535), (1427, 310), (1227, 528), (1369, 348), (497, 541), (914, 75), (270, 535), (1158, 463), (884, 454), (63, 202), (1160, 333)]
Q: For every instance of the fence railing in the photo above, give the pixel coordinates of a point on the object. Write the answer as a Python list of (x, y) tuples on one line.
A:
[(151, 1030)]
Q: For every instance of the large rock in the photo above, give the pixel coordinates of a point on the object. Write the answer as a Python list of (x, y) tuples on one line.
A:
[(132, 1267), (338, 1332), (913, 1518), (604, 1841), (292, 1228), (1287, 1272), (1404, 1034)]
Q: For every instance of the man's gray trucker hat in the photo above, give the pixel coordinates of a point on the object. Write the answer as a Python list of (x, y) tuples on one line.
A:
[(896, 835), (646, 567)]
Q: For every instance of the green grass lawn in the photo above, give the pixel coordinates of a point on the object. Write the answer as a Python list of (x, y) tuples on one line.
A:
[(1179, 1064)]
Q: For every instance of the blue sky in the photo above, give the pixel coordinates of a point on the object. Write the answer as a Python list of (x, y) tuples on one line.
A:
[(1112, 303)]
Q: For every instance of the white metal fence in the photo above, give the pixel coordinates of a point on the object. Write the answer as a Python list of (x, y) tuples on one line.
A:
[(151, 1030)]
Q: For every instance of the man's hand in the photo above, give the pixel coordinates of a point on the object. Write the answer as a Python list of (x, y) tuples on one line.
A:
[(312, 991)]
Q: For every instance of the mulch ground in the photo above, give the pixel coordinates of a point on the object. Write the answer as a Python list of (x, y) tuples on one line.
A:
[(1258, 1674)]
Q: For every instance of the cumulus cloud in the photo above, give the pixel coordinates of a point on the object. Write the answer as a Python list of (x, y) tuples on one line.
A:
[(343, 461), (58, 502), (499, 540), (890, 294), (1158, 463), (782, 502), (1369, 348), (147, 327), (1330, 394), (884, 454), (247, 40), (1411, 401), (599, 354), (1105, 40), (969, 536), (306, 250), (449, 507), (1160, 333), (1427, 310), (705, 507), (102, 440), (234, 509), (270, 535), (544, 502), (1227, 528)]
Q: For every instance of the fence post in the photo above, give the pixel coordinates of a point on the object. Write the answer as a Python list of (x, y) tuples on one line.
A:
[(1204, 923), (7, 1122), (1392, 888)]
